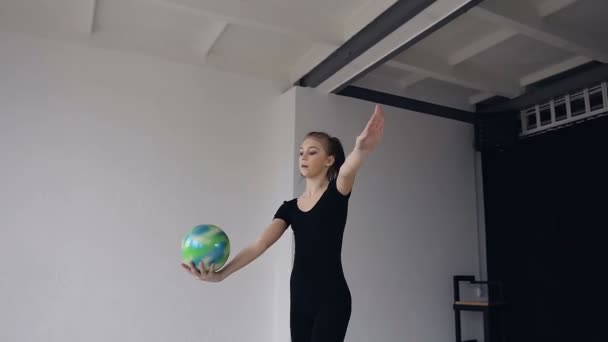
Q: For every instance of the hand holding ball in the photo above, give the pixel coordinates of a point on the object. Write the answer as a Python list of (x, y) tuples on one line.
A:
[(205, 249)]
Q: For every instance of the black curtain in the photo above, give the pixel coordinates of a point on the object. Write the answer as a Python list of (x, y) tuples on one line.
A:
[(546, 201)]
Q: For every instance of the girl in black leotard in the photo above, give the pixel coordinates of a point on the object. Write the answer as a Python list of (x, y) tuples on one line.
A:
[(320, 299)]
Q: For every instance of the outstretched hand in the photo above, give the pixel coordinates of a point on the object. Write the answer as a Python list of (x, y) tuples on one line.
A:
[(201, 273), (373, 132)]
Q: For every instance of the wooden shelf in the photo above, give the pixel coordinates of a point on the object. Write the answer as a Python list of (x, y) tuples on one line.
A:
[(478, 303)]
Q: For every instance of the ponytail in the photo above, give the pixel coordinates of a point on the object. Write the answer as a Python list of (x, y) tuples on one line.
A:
[(338, 153)]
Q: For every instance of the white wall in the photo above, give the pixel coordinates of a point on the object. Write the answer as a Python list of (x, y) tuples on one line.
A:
[(281, 139), (107, 159), (412, 220)]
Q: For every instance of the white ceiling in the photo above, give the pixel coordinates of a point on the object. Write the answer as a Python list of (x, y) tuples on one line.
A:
[(496, 48), (271, 39)]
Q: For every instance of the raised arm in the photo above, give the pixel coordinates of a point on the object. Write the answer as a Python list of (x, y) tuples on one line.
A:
[(366, 142), (268, 237)]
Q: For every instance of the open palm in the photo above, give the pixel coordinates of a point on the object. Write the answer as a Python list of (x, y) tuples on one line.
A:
[(373, 132)]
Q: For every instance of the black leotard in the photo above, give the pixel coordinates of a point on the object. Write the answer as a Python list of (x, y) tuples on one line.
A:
[(320, 298)]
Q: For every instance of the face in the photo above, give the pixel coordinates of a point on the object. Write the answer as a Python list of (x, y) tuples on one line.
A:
[(314, 160)]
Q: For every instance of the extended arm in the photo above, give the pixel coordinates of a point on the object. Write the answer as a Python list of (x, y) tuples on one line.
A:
[(366, 142), (248, 254), (270, 235)]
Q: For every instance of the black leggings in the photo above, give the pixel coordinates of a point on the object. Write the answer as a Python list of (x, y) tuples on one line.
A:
[(315, 317)]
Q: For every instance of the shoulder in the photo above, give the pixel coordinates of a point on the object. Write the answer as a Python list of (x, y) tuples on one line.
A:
[(333, 186), (285, 211), (287, 206), (290, 202)]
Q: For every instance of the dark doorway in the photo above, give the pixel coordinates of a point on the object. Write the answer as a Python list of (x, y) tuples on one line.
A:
[(546, 202)]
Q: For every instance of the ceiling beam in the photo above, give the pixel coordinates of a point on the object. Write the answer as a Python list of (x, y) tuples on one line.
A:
[(382, 26), (308, 61), (374, 80), (462, 75), (484, 43), (89, 25), (411, 29), (587, 78), (492, 39), (364, 15), (407, 103), (480, 97), (525, 20), (79, 17), (411, 80), (211, 38), (356, 21), (548, 7), (553, 70), (250, 14)]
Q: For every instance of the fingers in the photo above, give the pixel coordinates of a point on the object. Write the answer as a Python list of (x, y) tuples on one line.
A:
[(378, 119), (201, 272), (191, 269), (379, 114), (378, 110), (375, 126), (380, 125), (372, 120), (188, 268), (202, 269)]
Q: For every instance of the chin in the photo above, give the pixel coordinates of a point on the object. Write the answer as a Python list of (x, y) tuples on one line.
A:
[(308, 174), (305, 172)]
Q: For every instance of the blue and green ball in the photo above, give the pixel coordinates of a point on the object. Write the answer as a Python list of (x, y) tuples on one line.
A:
[(207, 243)]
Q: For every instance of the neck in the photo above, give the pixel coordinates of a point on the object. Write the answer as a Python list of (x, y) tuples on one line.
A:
[(316, 185)]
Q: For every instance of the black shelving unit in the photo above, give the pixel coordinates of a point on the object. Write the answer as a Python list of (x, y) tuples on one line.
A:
[(487, 307)]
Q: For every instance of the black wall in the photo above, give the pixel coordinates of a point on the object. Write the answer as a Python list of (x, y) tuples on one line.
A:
[(546, 201)]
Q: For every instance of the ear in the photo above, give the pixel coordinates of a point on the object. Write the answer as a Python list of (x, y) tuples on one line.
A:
[(330, 161)]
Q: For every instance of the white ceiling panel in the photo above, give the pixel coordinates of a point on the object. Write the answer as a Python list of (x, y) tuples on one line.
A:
[(462, 31), (440, 92), (312, 20), (495, 48), (167, 33), (585, 16), (266, 38), (390, 72), (52, 19), (258, 49), (518, 57)]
